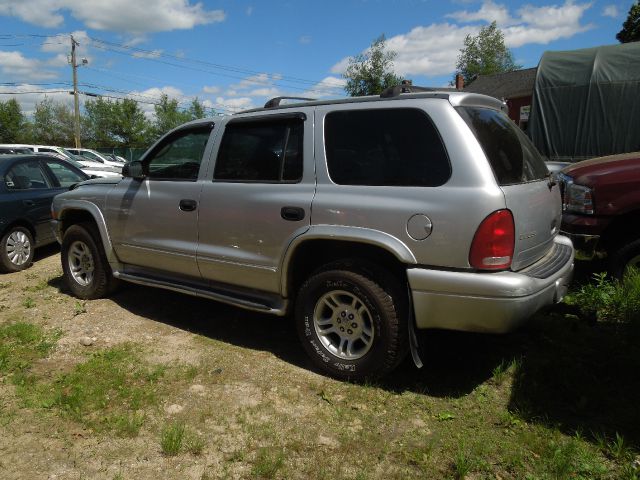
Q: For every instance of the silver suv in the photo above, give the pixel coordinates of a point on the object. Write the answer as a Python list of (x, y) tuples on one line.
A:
[(365, 218)]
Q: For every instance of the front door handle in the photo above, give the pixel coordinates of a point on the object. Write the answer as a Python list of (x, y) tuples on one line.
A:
[(293, 214), (187, 205), (29, 203)]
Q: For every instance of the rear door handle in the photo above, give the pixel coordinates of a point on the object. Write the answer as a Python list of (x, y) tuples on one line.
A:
[(293, 214), (29, 203), (187, 205)]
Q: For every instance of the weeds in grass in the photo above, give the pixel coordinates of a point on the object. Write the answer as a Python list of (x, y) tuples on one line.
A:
[(102, 391), (79, 308), (28, 302), (194, 444), (41, 285), (463, 463), (172, 437), (5, 285), (267, 463), (21, 343), (610, 300)]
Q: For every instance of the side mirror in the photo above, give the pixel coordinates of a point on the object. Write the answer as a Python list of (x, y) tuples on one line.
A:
[(133, 170)]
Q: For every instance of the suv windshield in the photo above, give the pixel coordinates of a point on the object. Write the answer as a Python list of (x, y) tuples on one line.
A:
[(511, 154)]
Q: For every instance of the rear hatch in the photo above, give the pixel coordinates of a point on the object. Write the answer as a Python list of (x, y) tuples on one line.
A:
[(524, 179)]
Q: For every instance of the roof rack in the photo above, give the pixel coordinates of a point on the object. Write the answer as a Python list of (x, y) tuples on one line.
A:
[(275, 102), (404, 87)]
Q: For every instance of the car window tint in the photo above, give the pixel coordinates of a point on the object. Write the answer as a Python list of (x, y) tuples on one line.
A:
[(393, 147), (511, 154), (261, 152), (64, 174), (179, 156), (26, 176)]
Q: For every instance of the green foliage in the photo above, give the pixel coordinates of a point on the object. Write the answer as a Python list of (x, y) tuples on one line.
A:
[(631, 27), (168, 116), (53, 123), (267, 463), (485, 54), (369, 73), (12, 122), (610, 300), (172, 437), (115, 124), (102, 392)]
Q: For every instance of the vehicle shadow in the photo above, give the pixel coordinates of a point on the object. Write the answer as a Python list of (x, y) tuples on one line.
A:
[(46, 251), (581, 377)]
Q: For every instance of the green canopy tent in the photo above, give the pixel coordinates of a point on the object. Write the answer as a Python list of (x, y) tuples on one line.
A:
[(586, 103)]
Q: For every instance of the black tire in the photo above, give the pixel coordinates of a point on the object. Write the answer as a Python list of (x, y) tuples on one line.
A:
[(369, 303), (84, 263), (628, 255), (16, 250)]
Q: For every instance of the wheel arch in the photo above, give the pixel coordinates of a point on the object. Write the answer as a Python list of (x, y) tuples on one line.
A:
[(20, 222), (621, 230), (322, 245), (79, 211)]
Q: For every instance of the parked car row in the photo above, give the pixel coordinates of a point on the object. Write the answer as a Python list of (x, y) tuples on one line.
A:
[(95, 167)]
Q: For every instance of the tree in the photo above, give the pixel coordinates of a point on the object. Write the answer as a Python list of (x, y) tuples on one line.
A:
[(53, 123), (631, 27), (369, 73), (485, 54), (197, 110), (119, 123), (12, 122), (168, 115)]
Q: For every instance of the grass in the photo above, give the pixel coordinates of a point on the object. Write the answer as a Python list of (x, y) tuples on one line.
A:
[(555, 401), (28, 302), (21, 344), (102, 392)]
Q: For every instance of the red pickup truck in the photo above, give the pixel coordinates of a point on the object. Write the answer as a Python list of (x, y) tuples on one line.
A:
[(601, 209)]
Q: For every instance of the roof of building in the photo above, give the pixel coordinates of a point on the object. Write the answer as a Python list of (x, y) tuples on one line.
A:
[(518, 83)]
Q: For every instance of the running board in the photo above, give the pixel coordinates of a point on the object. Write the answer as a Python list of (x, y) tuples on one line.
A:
[(245, 303)]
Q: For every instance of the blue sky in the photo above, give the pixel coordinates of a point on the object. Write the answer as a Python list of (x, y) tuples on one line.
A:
[(235, 54)]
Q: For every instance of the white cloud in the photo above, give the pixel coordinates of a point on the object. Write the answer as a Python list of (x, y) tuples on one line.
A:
[(489, 12), (28, 101), (305, 39), (610, 11), (249, 11), (432, 50), (152, 54), (133, 17), (233, 104), (16, 66), (327, 87), (212, 90)]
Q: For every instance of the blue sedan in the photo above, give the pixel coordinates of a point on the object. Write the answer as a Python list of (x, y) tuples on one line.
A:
[(28, 184)]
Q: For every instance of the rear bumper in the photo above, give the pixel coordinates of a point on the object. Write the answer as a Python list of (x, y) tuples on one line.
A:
[(487, 302)]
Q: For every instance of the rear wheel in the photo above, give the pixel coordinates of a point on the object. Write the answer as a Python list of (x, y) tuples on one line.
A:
[(351, 322), (16, 250), (84, 263)]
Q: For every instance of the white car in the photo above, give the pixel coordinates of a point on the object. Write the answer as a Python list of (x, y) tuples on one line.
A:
[(88, 166), (94, 156)]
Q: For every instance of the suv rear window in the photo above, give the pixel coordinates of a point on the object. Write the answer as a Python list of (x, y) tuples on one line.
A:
[(511, 154), (393, 147)]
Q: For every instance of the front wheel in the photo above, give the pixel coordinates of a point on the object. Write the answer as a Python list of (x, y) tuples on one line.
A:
[(351, 323), (16, 250), (84, 263)]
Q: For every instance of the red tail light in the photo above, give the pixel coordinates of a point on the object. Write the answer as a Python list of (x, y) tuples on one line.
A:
[(492, 247)]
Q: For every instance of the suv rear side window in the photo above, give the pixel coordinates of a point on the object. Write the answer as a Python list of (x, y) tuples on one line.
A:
[(392, 147), (511, 154), (269, 151)]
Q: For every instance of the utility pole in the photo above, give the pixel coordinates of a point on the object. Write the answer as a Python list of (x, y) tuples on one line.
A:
[(76, 104)]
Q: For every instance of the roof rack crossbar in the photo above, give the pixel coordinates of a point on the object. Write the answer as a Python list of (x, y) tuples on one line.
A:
[(275, 102), (404, 88)]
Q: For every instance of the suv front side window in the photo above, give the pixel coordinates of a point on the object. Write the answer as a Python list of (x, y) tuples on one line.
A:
[(179, 156), (262, 151)]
